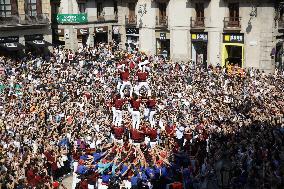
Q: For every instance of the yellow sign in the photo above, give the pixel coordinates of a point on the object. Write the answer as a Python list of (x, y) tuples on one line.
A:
[(227, 37), (193, 36)]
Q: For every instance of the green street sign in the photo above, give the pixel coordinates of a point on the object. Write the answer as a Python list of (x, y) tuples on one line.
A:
[(71, 18)]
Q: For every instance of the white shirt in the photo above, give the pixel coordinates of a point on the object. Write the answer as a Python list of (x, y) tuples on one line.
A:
[(179, 132)]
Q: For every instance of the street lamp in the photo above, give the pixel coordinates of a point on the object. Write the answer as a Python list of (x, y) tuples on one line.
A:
[(253, 12), (142, 11)]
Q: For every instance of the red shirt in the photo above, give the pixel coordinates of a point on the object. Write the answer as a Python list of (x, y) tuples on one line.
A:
[(135, 104), (118, 103), (137, 135), (151, 103), (142, 76), (170, 130), (132, 65), (124, 75), (118, 132), (152, 134), (87, 95), (176, 185)]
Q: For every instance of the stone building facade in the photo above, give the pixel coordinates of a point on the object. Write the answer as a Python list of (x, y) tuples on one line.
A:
[(208, 31), (24, 25)]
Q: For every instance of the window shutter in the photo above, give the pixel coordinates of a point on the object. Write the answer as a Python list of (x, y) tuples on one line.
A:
[(38, 6), (14, 7)]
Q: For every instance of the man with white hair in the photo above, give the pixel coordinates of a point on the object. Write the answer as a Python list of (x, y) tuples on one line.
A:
[(143, 74)]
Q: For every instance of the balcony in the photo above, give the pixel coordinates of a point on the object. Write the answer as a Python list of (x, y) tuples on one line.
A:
[(161, 22), (198, 23), (281, 24), (23, 20), (107, 18), (232, 23), (39, 19), (10, 21), (131, 21)]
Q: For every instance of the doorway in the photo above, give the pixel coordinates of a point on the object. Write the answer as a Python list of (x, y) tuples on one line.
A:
[(163, 48), (233, 54), (100, 38), (199, 52)]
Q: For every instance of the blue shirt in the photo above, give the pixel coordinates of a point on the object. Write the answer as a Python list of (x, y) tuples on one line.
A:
[(103, 166), (150, 172), (97, 156), (134, 180), (113, 169), (84, 157), (144, 176), (63, 142), (124, 168), (105, 178), (82, 169)]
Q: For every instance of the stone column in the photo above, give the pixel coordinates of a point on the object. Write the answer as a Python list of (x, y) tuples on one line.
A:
[(21, 9), (46, 8), (147, 24)]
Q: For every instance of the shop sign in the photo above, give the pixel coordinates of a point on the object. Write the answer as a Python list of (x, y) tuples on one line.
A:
[(33, 37), (233, 38), (199, 37), (83, 31), (163, 36), (72, 18), (9, 39), (132, 31), (101, 29)]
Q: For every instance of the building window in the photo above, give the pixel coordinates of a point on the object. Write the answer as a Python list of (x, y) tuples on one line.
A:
[(199, 8), (115, 7), (5, 8), (99, 9), (131, 7), (234, 10), (162, 11), (82, 7), (31, 7)]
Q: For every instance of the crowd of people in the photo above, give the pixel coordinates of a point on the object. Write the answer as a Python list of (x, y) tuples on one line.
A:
[(124, 119)]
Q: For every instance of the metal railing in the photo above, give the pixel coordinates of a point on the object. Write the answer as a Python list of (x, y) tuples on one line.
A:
[(107, 18), (131, 20), (9, 20), (162, 21), (232, 23), (39, 19), (198, 22)]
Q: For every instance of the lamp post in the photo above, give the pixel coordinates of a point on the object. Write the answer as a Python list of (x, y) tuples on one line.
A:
[(142, 10)]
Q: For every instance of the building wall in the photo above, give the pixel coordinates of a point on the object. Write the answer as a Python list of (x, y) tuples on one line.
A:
[(22, 31), (258, 40), (179, 23)]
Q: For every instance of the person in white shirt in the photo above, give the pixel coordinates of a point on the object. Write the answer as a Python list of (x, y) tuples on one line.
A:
[(180, 135)]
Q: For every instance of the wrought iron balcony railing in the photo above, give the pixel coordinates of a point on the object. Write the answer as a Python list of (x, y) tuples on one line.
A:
[(162, 22), (197, 23), (232, 23), (131, 20)]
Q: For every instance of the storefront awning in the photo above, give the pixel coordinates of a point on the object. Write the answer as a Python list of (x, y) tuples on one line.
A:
[(12, 46), (39, 43)]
